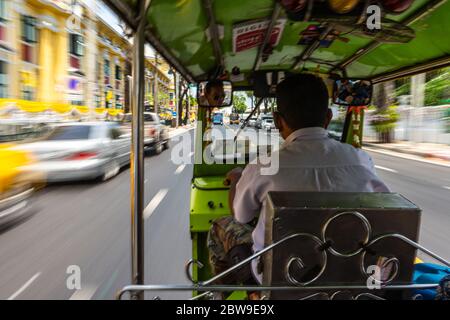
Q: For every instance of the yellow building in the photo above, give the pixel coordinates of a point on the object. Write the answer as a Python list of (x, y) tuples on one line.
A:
[(58, 54), (34, 46), (155, 73), (112, 49)]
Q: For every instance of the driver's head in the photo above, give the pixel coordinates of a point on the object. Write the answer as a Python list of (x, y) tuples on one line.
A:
[(302, 102), (215, 93)]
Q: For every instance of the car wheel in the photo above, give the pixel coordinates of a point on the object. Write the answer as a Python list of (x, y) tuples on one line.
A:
[(111, 170), (166, 144), (159, 148)]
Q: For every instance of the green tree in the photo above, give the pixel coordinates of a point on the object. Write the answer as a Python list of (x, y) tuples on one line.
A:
[(437, 90), (239, 103)]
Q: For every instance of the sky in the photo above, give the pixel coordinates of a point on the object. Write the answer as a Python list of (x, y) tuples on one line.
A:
[(105, 13), (102, 10)]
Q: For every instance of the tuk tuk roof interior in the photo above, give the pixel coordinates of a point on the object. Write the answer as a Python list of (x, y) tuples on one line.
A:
[(179, 31)]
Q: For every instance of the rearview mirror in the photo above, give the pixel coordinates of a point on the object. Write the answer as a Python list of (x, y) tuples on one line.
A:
[(214, 94), (352, 92)]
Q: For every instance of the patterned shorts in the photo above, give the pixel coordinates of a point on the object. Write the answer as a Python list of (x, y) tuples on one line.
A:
[(224, 235)]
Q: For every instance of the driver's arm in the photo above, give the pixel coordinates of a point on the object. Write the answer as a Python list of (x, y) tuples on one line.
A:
[(244, 197)]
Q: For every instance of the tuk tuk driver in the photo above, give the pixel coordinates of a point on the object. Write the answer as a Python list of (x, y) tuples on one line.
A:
[(214, 93), (309, 160)]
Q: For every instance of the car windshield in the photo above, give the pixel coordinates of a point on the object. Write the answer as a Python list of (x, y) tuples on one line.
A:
[(148, 117), (70, 133)]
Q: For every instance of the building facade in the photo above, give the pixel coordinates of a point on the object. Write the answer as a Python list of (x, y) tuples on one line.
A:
[(157, 83), (33, 50), (112, 53), (60, 52)]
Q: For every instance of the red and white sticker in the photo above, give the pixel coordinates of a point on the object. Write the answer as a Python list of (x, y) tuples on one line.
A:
[(251, 34)]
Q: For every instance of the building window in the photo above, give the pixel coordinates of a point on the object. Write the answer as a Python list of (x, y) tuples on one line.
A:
[(76, 45), (3, 11), (119, 102), (76, 50), (27, 93), (29, 32), (3, 20), (3, 79), (29, 39), (28, 84), (109, 99), (98, 101), (118, 73), (2, 32), (107, 71)]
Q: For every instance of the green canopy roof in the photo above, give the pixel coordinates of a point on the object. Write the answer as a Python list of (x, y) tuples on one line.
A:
[(178, 31)]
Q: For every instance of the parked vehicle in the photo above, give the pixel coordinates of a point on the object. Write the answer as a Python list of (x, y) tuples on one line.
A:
[(80, 151), (261, 118), (16, 186), (218, 118), (156, 135), (234, 118), (267, 123), (252, 121)]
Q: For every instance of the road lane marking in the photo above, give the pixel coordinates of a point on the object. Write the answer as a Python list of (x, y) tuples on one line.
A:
[(406, 156), (191, 154), (386, 169), (23, 288), (180, 169), (445, 187), (154, 203), (85, 293)]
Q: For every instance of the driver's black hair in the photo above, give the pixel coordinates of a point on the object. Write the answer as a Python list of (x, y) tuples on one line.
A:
[(302, 101), (213, 83)]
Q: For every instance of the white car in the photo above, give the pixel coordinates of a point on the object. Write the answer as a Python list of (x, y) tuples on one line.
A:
[(80, 151), (252, 122), (267, 123)]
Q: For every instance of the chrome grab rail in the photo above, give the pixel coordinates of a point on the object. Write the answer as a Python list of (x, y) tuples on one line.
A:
[(223, 288), (323, 247)]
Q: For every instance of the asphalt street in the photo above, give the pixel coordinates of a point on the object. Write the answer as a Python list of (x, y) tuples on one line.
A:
[(87, 225)]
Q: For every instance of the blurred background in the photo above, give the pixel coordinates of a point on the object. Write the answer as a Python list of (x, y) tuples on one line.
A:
[(65, 144)]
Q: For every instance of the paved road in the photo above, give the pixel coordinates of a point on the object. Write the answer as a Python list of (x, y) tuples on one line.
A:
[(88, 225), (428, 186)]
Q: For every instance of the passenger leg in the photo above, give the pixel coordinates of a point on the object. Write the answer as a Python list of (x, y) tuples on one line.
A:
[(230, 242)]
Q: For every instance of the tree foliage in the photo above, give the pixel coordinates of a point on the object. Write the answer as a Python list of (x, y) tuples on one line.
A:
[(239, 103)]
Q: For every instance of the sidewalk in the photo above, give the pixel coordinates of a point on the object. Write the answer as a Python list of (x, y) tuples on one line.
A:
[(425, 150), (181, 129)]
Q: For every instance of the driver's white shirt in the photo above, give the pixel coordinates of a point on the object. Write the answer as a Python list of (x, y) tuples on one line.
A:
[(308, 161)]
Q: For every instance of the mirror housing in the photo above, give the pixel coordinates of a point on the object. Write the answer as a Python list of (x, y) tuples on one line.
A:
[(352, 92), (214, 94)]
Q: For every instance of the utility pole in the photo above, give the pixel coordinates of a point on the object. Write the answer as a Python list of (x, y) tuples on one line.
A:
[(175, 97), (188, 105), (418, 101), (155, 85), (181, 93)]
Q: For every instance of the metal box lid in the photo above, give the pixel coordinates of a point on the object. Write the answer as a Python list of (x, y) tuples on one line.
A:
[(337, 228)]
